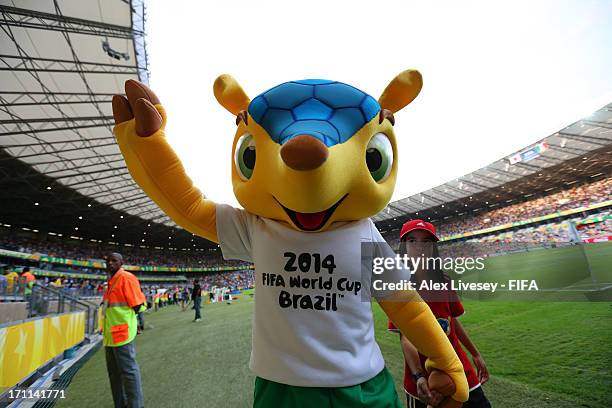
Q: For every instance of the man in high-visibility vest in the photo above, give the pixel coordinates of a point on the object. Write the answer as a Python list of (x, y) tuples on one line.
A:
[(122, 301), (28, 280), (156, 301)]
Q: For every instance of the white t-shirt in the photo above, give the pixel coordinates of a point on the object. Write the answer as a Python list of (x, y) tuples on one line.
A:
[(318, 332)]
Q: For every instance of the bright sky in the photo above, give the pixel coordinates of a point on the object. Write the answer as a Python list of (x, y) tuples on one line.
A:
[(497, 76)]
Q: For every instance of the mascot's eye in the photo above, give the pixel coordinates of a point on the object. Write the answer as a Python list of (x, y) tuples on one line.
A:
[(379, 157), (245, 156)]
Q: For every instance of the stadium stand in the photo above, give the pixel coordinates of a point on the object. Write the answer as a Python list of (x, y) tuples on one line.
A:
[(22, 241), (556, 190), (594, 228), (575, 197), (77, 268), (553, 206), (563, 175)]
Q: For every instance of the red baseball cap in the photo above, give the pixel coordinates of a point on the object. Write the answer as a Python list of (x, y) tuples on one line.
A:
[(418, 225)]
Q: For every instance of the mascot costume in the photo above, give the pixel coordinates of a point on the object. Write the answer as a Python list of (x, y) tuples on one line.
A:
[(312, 161)]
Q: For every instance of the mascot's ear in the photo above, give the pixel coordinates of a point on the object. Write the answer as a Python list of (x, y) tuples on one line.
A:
[(230, 94), (401, 90)]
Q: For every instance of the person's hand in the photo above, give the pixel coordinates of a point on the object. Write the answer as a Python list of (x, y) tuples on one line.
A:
[(139, 104), (435, 399), (481, 367), (423, 392), (441, 387), (427, 396)]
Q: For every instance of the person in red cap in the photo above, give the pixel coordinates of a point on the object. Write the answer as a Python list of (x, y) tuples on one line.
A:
[(418, 240)]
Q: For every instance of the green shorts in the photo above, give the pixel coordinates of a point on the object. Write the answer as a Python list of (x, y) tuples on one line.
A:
[(377, 392)]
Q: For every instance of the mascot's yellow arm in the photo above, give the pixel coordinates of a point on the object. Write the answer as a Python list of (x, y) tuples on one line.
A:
[(159, 172), (414, 319)]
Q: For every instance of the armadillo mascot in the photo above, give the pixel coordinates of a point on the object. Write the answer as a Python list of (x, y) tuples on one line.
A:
[(312, 160)]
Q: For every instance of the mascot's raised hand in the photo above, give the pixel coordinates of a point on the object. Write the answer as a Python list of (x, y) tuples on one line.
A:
[(140, 120), (311, 161)]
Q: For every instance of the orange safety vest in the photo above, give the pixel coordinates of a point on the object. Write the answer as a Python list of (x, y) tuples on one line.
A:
[(28, 276), (121, 295), (28, 280)]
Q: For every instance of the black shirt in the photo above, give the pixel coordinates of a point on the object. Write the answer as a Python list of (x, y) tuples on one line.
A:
[(196, 291)]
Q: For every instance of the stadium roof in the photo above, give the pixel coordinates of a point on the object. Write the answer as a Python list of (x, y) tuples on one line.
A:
[(581, 151), (61, 61)]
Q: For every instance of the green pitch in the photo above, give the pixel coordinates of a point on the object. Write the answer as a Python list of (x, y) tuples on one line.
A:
[(576, 273), (540, 354)]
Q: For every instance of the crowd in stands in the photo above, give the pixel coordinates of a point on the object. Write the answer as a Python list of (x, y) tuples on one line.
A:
[(525, 239), (81, 287), (80, 250), (596, 230), (579, 196), (547, 233), (575, 197), (554, 233), (77, 287)]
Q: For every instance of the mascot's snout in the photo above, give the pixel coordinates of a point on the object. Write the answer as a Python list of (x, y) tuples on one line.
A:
[(304, 152)]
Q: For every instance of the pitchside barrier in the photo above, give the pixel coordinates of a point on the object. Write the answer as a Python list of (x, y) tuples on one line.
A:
[(29, 344)]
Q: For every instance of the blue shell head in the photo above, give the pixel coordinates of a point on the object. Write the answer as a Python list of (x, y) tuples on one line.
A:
[(328, 110)]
